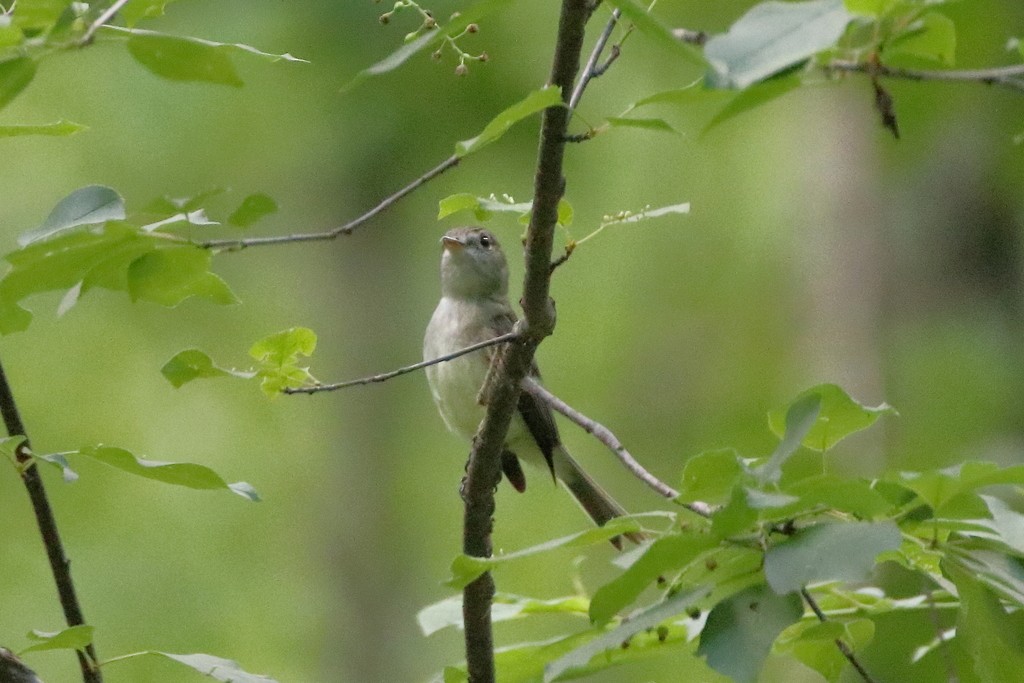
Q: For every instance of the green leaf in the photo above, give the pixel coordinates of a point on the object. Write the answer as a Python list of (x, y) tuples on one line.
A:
[(253, 208), (548, 96), (169, 276), (869, 8), (278, 356), (135, 10), (60, 461), (192, 364), (1007, 524), (15, 75), (801, 416), (59, 129), (938, 488), (739, 632), (754, 96), (855, 496), (466, 568), (829, 552), (814, 643), (640, 17), (469, 15), (448, 612), (772, 37), (993, 639), (933, 37), (71, 638), (647, 619), (183, 59), (838, 417), (86, 206), (455, 203), (663, 556), (38, 14), (735, 516), (217, 668), (711, 476), (177, 473), (1001, 572), (646, 124)]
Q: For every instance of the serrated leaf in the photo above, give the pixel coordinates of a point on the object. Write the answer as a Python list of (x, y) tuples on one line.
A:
[(185, 474), (739, 632), (639, 15), (829, 552), (71, 638), (538, 100), (169, 276), (253, 208), (59, 129), (646, 619), (86, 206), (932, 37), (643, 123), (192, 364), (772, 37), (15, 75), (469, 15), (278, 356), (663, 556), (838, 417), (465, 568), (801, 416)]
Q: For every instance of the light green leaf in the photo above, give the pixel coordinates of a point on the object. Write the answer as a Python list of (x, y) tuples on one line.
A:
[(135, 10), (451, 204), (181, 59), (253, 208), (938, 488), (772, 37), (646, 124), (565, 212), (169, 276), (663, 556), (739, 632), (217, 668), (814, 643), (638, 14), (711, 476), (469, 15), (448, 612), (185, 474), (647, 619), (465, 568), (838, 417), (855, 496), (38, 14), (801, 416), (548, 96), (86, 206), (932, 37), (15, 75), (71, 638), (192, 364), (869, 8), (754, 96), (59, 129), (828, 552), (278, 356)]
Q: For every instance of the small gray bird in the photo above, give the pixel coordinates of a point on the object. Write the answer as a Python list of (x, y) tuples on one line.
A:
[(474, 307)]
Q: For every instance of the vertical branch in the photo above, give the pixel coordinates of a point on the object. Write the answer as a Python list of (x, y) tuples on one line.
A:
[(59, 563), (483, 471)]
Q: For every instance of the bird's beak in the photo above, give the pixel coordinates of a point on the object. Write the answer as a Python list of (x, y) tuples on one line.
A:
[(452, 243)]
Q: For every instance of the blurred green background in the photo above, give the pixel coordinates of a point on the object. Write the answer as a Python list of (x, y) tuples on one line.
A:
[(818, 249)]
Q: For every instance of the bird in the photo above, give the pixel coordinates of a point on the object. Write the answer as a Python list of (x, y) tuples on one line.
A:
[(474, 307)]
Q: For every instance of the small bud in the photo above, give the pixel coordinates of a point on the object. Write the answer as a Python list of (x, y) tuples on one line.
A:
[(436, 55), (461, 70), (399, 5), (385, 18), (662, 634), (483, 57), (472, 28), (430, 22)]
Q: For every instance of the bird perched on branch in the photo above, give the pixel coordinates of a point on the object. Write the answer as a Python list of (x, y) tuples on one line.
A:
[(474, 308)]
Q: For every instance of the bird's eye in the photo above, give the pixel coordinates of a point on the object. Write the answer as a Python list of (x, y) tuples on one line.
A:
[(485, 241)]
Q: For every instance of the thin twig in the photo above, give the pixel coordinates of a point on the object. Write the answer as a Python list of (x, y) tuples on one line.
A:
[(589, 71), (605, 436), (346, 229), (60, 566), (1008, 76), (840, 643), (385, 376), (102, 19)]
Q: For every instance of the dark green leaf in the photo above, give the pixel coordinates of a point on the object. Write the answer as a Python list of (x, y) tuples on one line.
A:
[(253, 208), (993, 638), (801, 416), (194, 364), (177, 473), (58, 129), (828, 552), (739, 632), (838, 417), (182, 59), (169, 276), (71, 638), (647, 619), (814, 644), (855, 496), (772, 37), (735, 516), (15, 75), (933, 37), (538, 100), (86, 206), (638, 14)]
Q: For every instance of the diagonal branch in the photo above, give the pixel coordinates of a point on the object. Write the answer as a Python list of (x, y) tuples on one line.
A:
[(385, 376), (59, 563), (346, 229), (107, 15), (840, 643), (1007, 76), (484, 468)]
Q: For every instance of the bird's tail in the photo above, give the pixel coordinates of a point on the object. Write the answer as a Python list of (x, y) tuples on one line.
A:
[(592, 498)]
